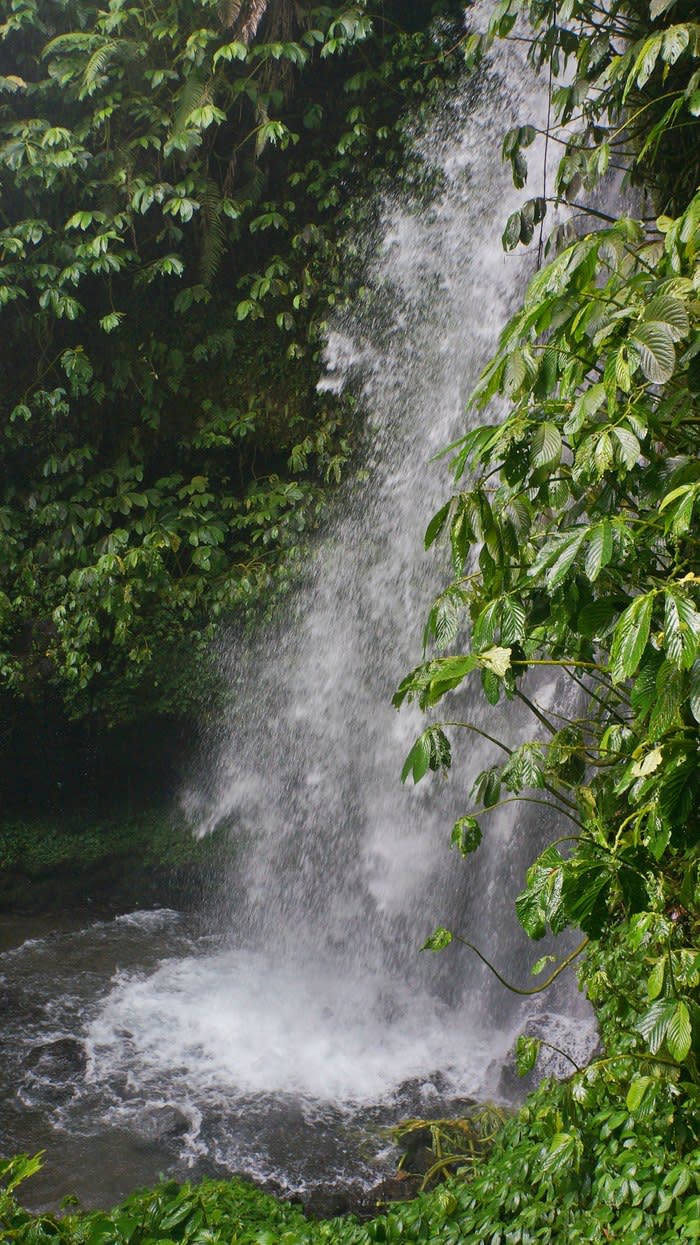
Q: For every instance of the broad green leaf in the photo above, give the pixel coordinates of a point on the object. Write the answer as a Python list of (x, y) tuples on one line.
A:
[(657, 7), (466, 835), (565, 1150), (437, 524), (637, 1092), (681, 629), (675, 494), (670, 311), (512, 621), (439, 940), (644, 65), (630, 448), (653, 1025), (485, 625), (525, 768), (492, 686), (487, 787), (586, 405), (655, 981), (603, 454), (585, 884), (648, 764), (430, 751), (560, 568), (540, 902), (675, 41), (541, 964), (679, 1033), (546, 446), (526, 1051), (670, 684), (653, 342), (433, 679), (630, 637), (598, 549), (515, 373)]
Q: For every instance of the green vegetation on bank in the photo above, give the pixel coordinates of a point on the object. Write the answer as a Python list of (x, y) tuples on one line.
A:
[(122, 857)]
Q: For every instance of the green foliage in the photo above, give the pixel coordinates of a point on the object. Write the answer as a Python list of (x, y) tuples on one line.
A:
[(47, 863), (575, 547), (170, 244), (207, 1214)]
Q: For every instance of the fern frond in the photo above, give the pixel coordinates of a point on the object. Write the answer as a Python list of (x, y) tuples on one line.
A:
[(98, 61), (192, 94), (214, 232)]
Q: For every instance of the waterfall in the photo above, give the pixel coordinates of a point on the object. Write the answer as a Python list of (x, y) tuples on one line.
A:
[(307, 1005)]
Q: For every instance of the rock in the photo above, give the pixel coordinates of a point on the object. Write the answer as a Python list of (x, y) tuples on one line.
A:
[(60, 1060), (162, 1124)]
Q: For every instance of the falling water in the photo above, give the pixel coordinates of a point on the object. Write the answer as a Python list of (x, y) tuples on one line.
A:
[(307, 1013)]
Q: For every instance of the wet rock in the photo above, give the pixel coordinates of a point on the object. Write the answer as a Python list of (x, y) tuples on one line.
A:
[(14, 1003), (61, 1060), (163, 1124)]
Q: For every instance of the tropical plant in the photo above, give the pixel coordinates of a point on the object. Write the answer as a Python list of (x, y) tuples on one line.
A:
[(575, 545)]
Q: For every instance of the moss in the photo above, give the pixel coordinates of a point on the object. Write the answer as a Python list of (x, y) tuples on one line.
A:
[(141, 856)]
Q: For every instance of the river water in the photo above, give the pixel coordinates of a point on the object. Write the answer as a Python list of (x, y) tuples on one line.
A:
[(280, 1031)]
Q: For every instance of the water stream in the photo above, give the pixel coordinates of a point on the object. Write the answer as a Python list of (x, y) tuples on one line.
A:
[(280, 1031)]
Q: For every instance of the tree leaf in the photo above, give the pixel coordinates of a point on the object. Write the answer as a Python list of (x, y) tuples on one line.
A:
[(655, 982), (466, 835), (565, 1150), (599, 549), (679, 1034), (630, 637), (540, 902), (526, 1051), (560, 568), (430, 751), (439, 940), (437, 524), (630, 448), (525, 768), (653, 1025), (546, 446), (512, 621), (637, 1092), (681, 629), (496, 659), (603, 453), (671, 312), (657, 7), (541, 964), (648, 764), (653, 342), (675, 41), (670, 685)]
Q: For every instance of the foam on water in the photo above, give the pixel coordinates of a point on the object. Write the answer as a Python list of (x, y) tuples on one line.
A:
[(275, 1029)]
